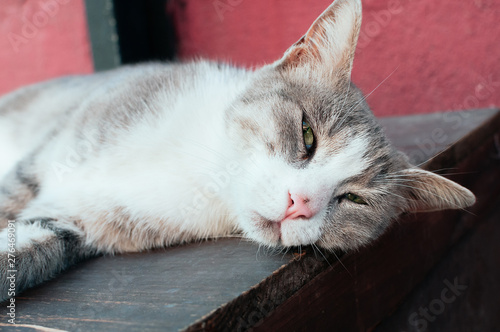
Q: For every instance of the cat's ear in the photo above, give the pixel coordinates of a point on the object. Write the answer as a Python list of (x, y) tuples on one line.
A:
[(330, 43), (426, 191)]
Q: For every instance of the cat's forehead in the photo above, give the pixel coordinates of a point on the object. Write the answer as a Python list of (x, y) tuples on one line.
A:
[(329, 106), (336, 112)]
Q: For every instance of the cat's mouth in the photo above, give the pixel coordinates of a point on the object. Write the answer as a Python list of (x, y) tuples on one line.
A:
[(272, 226), (271, 232), (287, 232), (268, 231)]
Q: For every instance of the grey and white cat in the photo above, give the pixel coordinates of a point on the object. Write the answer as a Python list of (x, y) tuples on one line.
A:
[(153, 155)]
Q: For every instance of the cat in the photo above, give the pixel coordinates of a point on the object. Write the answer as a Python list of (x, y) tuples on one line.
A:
[(152, 155)]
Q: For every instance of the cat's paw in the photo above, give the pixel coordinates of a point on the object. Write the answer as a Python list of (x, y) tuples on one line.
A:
[(7, 261)]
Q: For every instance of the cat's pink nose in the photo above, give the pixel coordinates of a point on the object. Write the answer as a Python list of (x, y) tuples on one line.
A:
[(297, 207)]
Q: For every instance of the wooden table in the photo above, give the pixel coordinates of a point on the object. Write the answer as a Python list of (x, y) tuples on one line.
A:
[(395, 284)]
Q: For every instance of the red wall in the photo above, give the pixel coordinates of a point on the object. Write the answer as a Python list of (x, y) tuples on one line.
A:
[(445, 53), (41, 39)]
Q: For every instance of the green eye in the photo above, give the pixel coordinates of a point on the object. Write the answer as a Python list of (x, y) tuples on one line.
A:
[(355, 199), (308, 135)]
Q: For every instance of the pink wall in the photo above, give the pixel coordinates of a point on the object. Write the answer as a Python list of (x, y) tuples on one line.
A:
[(41, 39), (446, 53)]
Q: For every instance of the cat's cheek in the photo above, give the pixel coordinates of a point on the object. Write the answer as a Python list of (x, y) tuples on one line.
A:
[(348, 237)]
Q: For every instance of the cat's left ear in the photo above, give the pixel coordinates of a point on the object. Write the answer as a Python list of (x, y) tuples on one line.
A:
[(426, 191), (330, 43)]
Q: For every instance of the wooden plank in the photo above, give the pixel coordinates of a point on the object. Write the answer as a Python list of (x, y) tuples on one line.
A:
[(230, 285), (155, 291), (471, 303), (424, 137)]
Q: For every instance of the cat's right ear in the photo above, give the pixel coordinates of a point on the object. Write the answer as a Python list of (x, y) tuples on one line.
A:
[(328, 46)]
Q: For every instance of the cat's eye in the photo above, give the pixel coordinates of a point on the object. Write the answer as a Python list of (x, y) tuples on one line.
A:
[(355, 199), (308, 135)]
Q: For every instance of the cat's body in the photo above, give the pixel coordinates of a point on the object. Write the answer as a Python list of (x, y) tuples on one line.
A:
[(153, 155), (139, 162)]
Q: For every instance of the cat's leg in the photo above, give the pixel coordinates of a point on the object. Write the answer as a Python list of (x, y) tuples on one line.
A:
[(17, 189), (32, 251)]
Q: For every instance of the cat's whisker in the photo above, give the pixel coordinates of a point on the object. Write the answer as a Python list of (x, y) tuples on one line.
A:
[(431, 158), (335, 254), (286, 249), (391, 176), (416, 167), (460, 173), (363, 99), (403, 180), (392, 194), (205, 147), (215, 168), (439, 172), (314, 250), (258, 252), (227, 159), (346, 95), (326, 259), (443, 169)]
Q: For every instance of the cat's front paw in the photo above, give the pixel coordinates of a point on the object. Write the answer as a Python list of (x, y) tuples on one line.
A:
[(8, 270)]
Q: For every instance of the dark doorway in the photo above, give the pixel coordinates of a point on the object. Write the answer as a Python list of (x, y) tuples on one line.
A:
[(145, 32)]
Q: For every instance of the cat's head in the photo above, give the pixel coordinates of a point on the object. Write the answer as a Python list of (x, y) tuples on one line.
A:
[(317, 166)]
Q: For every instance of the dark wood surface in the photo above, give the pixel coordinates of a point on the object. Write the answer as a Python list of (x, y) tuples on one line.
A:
[(474, 263), (155, 291), (231, 285)]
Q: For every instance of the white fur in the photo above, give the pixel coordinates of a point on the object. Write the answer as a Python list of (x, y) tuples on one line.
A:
[(173, 170), (156, 171), (23, 130), (270, 180), (10, 154), (25, 235)]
